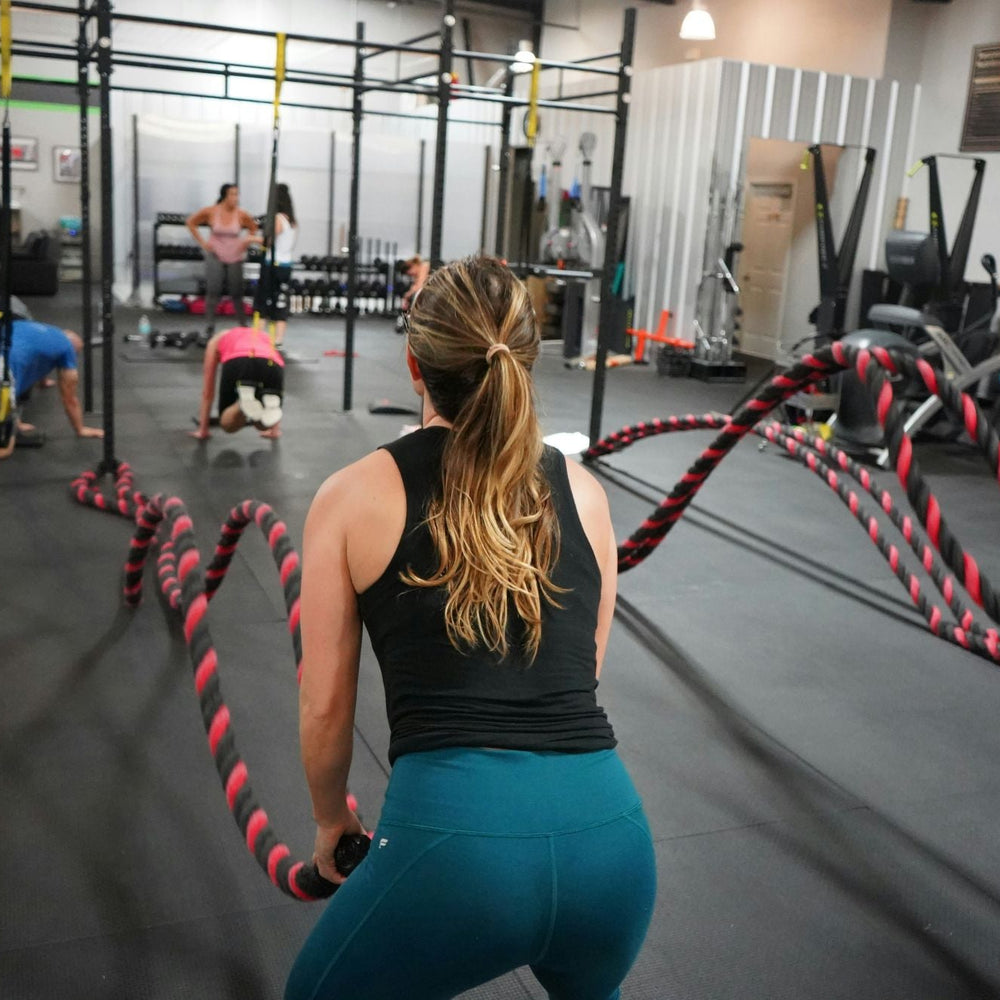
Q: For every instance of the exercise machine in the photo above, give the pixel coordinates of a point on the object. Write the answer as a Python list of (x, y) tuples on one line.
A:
[(933, 312)]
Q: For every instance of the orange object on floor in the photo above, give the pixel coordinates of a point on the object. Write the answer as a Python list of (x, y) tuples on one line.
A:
[(660, 337)]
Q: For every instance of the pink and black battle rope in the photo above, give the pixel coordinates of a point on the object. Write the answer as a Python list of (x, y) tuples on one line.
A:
[(871, 367), (965, 630), (188, 588)]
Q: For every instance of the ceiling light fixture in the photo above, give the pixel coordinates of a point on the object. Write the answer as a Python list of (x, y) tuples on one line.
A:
[(698, 25), (525, 58)]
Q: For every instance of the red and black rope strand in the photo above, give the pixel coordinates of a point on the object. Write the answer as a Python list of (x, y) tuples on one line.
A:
[(188, 588), (965, 631), (655, 528), (810, 369), (923, 501)]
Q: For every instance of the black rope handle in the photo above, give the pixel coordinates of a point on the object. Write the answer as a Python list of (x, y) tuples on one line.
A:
[(188, 588)]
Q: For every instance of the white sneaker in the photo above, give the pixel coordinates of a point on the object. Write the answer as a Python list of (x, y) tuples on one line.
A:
[(250, 405), (271, 410)]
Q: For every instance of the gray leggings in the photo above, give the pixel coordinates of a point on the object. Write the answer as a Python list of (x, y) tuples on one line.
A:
[(215, 273)]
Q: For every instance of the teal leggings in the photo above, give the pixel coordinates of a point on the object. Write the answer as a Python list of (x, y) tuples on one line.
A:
[(485, 861)]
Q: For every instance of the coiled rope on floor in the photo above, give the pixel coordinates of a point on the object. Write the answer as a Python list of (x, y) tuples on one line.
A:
[(872, 367), (188, 588)]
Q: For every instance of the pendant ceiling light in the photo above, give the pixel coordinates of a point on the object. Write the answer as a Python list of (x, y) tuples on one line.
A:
[(698, 25), (525, 58)]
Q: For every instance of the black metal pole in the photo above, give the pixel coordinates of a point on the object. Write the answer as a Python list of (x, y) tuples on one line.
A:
[(330, 205), (7, 321), (505, 157), (110, 463), (441, 145), (420, 196), (611, 237), (136, 270), (352, 241), (487, 171), (87, 276)]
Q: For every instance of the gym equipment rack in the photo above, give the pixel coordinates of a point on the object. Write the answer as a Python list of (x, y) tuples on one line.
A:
[(97, 14)]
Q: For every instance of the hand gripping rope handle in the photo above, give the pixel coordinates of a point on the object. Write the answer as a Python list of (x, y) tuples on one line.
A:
[(871, 366), (188, 588)]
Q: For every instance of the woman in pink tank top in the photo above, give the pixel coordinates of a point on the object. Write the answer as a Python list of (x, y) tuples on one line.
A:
[(225, 250), (251, 377)]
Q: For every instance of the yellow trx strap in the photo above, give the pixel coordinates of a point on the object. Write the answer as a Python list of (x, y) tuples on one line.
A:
[(279, 71), (5, 31), (532, 130)]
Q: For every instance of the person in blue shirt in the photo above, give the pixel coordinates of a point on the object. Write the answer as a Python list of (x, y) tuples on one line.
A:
[(36, 349)]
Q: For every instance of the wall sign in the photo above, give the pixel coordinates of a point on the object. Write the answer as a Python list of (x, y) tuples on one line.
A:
[(23, 154)]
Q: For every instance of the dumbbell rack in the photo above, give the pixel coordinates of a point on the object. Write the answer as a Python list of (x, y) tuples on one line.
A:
[(190, 254), (319, 286)]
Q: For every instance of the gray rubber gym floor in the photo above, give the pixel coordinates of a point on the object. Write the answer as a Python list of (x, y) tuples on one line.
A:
[(819, 771)]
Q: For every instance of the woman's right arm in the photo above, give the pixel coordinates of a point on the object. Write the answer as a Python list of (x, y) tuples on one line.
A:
[(595, 516), (200, 218), (331, 650)]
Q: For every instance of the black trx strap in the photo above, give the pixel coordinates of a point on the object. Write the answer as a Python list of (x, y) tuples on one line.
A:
[(836, 266), (8, 417)]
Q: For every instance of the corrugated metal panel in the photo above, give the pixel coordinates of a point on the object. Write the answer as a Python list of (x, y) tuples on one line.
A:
[(686, 185)]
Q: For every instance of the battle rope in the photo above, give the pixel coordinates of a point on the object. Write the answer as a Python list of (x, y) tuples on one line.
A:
[(966, 631), (188, 588)]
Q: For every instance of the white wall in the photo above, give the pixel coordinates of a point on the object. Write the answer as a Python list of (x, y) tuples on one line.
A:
[(42, 199), (932, 44), (848, 36)]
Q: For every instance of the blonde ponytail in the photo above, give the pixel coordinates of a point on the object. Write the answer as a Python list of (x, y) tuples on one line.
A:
[(474, 335)]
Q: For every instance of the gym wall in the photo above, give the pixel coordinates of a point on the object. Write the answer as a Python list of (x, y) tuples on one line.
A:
[(931, 45), (848, 36), (41, 198), (187, 149)]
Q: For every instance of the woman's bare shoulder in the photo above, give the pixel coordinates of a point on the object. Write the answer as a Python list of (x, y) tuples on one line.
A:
[(360, 484), (360, 513), (587, 491)]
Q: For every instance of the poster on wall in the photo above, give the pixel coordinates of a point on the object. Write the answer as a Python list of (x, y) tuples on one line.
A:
[(23, 154), (66, 164)]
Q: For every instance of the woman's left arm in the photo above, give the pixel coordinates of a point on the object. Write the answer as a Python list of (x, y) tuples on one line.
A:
[(208, 369), (331, 647)]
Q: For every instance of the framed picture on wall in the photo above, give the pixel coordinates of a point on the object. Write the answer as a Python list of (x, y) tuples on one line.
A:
[(66, 164), (23, 154)]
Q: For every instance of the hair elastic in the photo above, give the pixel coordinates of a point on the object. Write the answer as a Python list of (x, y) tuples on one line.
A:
[(495, 349)]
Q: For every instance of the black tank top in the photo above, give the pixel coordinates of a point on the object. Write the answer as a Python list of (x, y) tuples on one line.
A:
[(437, 696)]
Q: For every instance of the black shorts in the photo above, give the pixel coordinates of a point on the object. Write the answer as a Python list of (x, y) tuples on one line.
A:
[(265, 375), (271, 298)]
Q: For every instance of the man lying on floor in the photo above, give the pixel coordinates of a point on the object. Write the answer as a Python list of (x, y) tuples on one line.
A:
[(251, 383), (36, 349)]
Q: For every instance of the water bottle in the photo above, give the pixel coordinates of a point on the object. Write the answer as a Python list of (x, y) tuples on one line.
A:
[(145, 327)]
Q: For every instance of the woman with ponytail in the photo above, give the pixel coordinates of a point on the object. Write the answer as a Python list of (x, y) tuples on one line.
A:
[(483, 566)]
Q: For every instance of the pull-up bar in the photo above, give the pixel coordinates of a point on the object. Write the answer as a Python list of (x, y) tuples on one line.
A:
[(543, 63)]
